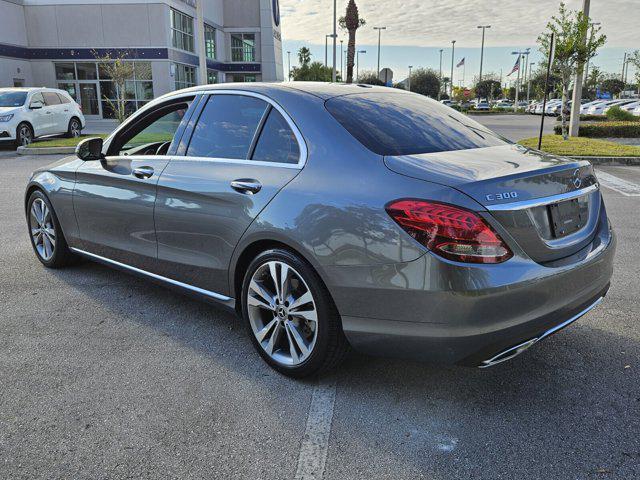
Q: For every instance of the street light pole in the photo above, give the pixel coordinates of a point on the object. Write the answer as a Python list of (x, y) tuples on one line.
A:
[(520, 57), (379, 29), (453, 52), (586, 68), (529, 82), (483, 27), (334, 74), (574, 122), (440, 89), (289, 55), (342, 60)]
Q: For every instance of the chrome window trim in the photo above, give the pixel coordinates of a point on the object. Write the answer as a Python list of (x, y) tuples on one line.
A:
[(302, 145), (539, 202), (216, 296)]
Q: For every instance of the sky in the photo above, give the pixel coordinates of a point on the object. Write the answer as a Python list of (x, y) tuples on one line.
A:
[(418, 29)]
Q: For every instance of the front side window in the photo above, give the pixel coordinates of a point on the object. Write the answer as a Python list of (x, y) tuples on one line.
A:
[(12, 99), (185, 76), (210, 41), (243, 47), (401, 124), (277, 141), (226, 127), (37, 97), (182, 31), (152, 134)]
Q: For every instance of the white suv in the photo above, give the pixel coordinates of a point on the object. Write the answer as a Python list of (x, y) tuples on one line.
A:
[(27, 113)]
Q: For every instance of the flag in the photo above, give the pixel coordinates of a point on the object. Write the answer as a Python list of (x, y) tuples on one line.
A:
[(516, 67), (461, 63)]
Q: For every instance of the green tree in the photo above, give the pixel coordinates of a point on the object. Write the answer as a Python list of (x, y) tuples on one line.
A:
[(538, 81), (312, 72), (425, 81), (612, 84), (351, 22), (571, 51), (369, 78), (304, 56), (489, 89), (120, 70)]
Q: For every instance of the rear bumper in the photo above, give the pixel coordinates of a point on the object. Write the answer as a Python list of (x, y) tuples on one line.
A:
[(469, 315)]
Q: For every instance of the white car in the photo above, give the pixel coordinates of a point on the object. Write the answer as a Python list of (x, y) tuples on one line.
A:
[(622, 105), (585, 108), (599, 109), (28, 113), (630, 107), (636, 111)]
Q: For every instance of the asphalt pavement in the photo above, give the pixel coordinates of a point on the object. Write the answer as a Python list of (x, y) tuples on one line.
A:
[(105, 375)]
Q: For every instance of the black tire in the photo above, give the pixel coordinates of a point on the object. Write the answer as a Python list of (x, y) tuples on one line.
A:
[(61, 256), (74, 129), (331, 346), (24, 134)]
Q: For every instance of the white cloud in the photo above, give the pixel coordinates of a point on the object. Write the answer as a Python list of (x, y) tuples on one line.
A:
[(437, 22)]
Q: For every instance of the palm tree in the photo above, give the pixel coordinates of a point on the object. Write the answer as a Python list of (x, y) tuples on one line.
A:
[(351, 22), (304, 56)]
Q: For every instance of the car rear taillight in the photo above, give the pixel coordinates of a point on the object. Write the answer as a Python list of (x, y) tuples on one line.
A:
[(451, 232)]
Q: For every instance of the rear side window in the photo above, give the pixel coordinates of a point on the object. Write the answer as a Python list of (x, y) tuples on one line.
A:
[(401, 124), (51, 98), (277, 141), (63, 99), (226, 127)]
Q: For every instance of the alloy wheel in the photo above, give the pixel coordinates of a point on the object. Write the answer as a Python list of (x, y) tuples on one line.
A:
[(24, 135), (74, 128), (43, 231), (282, 313)]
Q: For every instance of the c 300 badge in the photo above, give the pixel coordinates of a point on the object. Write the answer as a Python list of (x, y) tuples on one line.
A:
[(492, 197)]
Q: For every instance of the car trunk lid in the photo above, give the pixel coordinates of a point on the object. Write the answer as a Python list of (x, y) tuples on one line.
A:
[(549, 205)]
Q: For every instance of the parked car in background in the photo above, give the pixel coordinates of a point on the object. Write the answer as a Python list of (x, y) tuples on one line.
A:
[(621, 104), (584, 108), (447, 102), (483, 106), (29, 113), (630, 107), (503, 104), (636, 111), (599, 109), (335, 215)]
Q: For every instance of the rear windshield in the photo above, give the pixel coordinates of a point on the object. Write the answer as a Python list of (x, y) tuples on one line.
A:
[(390, 123), (12, 99)]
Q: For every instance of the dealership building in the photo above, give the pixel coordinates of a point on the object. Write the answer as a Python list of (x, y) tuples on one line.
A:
[(63, 44)]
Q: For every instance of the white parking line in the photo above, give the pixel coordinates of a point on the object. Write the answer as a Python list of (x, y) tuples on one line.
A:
[(315, 444), (624, 187)]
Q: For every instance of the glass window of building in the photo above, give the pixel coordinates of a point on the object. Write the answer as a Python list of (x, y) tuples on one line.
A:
[(210, 41), (243, 47), (185, 76), (182, 31), (212, 76), (242, 77), (91, 83)]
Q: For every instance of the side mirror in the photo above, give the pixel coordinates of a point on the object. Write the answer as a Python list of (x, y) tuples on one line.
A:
[(36, 105), (90, 149)]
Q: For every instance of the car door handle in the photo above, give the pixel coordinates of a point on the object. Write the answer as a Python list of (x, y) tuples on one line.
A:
[(143, 172), (247, 186)]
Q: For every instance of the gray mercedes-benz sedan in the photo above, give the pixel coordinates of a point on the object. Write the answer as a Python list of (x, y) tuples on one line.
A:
[(330, 216)]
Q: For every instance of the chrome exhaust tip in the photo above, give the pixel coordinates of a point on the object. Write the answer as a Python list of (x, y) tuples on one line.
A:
[(509, 353), (512, 352)]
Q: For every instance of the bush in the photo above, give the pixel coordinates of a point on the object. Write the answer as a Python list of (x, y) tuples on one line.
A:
[(590, 118), (607, 130), (617, 114)]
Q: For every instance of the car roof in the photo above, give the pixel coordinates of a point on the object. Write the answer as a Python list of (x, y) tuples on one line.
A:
[(29, 89), (322, 90)]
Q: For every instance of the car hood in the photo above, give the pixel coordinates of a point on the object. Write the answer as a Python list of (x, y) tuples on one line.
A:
[(7, 110)]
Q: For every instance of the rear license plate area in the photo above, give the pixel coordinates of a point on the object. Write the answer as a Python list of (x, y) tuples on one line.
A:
[(566, 218)]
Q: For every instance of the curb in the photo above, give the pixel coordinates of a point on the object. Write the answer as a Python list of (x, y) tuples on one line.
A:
[(620, 161), (46, 151)]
